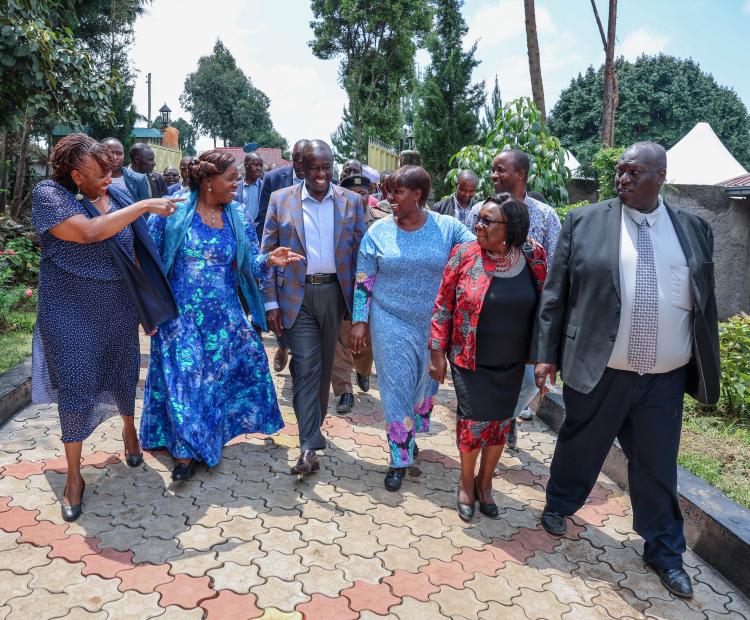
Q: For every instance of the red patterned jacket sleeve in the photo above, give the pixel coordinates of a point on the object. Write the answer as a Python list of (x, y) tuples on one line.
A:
[(442, 314), (536, 259)]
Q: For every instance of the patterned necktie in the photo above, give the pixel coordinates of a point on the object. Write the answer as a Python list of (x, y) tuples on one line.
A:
[(645, 319)]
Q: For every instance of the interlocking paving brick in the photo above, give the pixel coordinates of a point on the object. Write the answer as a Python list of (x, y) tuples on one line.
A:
[(394, 558), (446, 573), (357, 568), (23, 557), (279, 540), (14, 585), (328, 582), (461, 603), (325, 556), (492, 588), (184, 591), (144, 578), (235, 577), (173, 612), (229, 604), (321, 607), (239, 551), (368, 596), (283, 595), (57, 575), (93, 592), (156, 551), (134, 605), (195, 563), (281, 565)]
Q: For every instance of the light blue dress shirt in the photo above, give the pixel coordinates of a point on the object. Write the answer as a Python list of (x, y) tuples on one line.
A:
[(319, 235), (251, 197)]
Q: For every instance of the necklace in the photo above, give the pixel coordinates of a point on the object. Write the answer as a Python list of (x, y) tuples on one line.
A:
[(212, 212), (506, 265)]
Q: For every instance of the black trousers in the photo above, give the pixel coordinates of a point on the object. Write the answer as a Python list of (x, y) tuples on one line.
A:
[(645, 413), (312, 341)]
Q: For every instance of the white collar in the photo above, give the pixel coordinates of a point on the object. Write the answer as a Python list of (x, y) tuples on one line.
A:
[(638, 217), (306, 194)]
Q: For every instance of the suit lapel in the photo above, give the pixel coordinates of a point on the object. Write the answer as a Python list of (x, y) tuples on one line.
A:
[(295, 208), (682, 237), (339, 211), (614, 223)]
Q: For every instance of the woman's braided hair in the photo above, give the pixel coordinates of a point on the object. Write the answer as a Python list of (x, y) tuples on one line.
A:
[(71, 153), (208, 165)]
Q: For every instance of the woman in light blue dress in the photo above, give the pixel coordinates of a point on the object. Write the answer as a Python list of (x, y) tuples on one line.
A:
[(399, 266), (208, 379)]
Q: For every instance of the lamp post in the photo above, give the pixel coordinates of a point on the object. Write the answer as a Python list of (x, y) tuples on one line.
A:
[(165, 120)]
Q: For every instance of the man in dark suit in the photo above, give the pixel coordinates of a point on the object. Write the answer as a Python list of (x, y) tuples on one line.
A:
[(134, 183), (308, 299), (628, 314), (460, 203), (143, 160), (276, 179)]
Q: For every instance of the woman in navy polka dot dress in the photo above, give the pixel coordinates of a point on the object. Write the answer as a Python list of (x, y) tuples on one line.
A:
[(85, 347)]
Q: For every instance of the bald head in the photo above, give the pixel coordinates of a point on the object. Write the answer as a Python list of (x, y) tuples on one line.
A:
[(253, 167), (316, 148), (647, 153), (468, 176), (297, 149), (114, 146)]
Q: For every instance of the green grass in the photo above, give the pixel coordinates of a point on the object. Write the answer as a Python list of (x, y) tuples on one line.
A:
[(717, 449), (15, 344)]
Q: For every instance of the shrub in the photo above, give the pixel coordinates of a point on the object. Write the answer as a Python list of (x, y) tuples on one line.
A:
[(734, 346), (518, 125), (563, 211), (19, 261), (605, 166)]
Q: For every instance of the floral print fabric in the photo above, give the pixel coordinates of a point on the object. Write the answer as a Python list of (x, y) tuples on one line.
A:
[(208, 379), (398, 275), (474, 434)]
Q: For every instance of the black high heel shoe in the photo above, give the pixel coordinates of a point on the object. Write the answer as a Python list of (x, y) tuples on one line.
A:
[(71, 513), (183, 471), (465, 511), (488, 510), (132, 460)]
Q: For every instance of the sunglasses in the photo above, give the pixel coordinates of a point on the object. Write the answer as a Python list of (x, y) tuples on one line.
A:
[(485, 222)]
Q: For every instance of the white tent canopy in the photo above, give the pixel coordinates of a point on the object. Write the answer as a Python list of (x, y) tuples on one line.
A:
[(700, 158), (571, 163)]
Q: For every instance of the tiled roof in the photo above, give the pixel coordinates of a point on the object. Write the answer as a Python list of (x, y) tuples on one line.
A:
[(271, 156), (741, 181)]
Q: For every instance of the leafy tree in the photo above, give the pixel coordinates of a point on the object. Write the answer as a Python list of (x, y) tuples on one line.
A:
[(188, 136), (225, 105), (376, 42), (605, 165), (661, 99), (518, 126), (448, 103), (490, 112)]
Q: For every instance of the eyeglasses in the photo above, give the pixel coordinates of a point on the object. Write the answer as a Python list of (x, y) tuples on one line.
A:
[(485, 222)]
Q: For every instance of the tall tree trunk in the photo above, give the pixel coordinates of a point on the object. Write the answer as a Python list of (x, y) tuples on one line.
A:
[(535, 67), (610, 98), (18, 189), (3, 169)]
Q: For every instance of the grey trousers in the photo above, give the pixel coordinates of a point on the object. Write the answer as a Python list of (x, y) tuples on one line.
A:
[(312, 342)]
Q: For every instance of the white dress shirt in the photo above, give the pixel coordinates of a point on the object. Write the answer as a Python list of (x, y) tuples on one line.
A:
[(674, 340), (319, 237)]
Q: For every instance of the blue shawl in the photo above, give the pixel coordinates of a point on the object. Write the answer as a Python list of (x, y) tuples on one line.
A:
[(247, 250)]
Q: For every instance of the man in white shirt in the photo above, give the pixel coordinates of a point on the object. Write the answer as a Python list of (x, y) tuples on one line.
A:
[(628, 313)]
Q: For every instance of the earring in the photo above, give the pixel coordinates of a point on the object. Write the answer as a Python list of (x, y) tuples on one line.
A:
[(209, 189), (79, 195)]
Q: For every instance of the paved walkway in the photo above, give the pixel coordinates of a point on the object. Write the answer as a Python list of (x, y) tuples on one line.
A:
[(246, 540)]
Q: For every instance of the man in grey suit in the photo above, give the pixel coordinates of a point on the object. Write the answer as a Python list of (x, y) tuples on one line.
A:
[(628, 314)]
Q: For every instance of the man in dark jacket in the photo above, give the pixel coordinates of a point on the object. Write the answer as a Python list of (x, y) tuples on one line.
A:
[(134, 183), (459, 204), (628, 315), (143, 160)]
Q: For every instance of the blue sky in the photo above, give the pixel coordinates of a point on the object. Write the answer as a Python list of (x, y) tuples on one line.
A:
[(269, 41)]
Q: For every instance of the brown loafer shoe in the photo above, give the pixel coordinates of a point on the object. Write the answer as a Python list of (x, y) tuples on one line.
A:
[(307, 462), (280, 359)]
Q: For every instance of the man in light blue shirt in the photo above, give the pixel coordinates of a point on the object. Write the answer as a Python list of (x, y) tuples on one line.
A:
[(248, 190)]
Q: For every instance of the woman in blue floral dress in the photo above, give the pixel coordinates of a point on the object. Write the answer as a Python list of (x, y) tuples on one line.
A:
[(399, 266), (208, 379)]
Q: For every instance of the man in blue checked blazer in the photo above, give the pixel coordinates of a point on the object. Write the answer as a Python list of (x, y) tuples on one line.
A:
[(306, 301)]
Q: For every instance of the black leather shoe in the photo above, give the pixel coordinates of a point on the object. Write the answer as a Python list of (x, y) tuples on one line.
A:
[(416, 450), (555, 524), (71, 513), (512, 441), (488, 510), (307, 462), (346, 402), (394, 478), (183, 471), (280, 359), (363, 381), (465, 511), (676, 580), (132, 460)]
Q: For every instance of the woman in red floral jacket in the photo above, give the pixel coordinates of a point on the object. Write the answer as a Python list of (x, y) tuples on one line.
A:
[(483, 318)]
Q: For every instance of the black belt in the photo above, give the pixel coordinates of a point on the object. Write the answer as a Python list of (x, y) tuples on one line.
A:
[(321, 278)]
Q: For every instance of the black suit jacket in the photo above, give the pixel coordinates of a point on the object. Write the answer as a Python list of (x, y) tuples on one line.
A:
[(278, 178), (579, 311)]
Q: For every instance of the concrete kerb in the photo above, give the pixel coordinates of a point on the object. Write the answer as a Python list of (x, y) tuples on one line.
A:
[(716, 528), (15, 389)]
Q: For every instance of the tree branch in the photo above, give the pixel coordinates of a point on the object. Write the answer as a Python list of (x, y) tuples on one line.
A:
[(599, 23)]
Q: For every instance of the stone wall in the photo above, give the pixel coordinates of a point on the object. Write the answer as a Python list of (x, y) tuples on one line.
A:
[(730, 220)]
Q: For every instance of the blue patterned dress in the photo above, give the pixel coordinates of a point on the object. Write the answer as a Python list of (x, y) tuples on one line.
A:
[(398, 277), (208, 379)]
